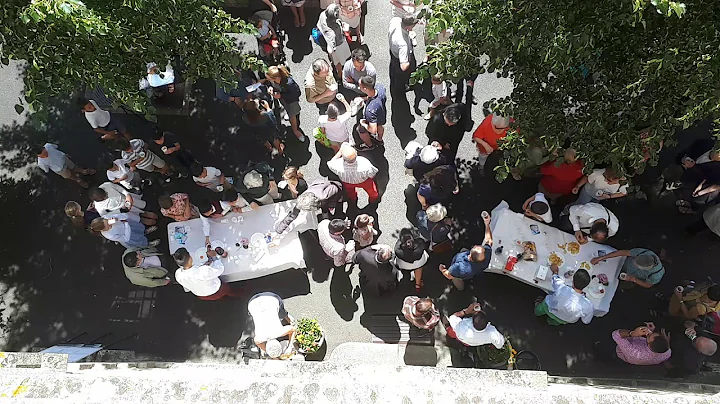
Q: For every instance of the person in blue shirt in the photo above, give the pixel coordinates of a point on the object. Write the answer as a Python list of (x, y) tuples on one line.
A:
[(375, 113), (642, 267), (468, 264)]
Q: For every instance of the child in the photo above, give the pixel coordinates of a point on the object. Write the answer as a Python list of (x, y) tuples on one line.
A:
[(364, 233), (79, 218), (292, 184), (120, 173), (440, 96), (266, 36)]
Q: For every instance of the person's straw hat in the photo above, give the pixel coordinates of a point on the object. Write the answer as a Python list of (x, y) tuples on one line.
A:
[(273, 348), (436, 213)]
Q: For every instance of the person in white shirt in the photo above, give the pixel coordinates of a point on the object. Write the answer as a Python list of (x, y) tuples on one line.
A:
[(136, 153), (112, 198), (102, 121), (471, 327), (356, 68), (124, 229), (402, 53), (566, 304), (334, 124), (594, 220), (120, 173), (202, 279), (232, 201), (537, 207), (51, 158), (271, 320), (601, 184), (354, 172), (441, 96), (209, 177)]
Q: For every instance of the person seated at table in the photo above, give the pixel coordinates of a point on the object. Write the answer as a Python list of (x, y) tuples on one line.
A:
[(642, 267), (642, 346), (142, 267), (330, 236), (202, 278), (178, 207), (422, 160), (258, 185), (594, 220), (378, 276), (471, 327), (537, 207), (124, 229), (600, 185), (435, 227), (209, 177), (468, 264), (271, 321), (231, 200), (420, 312), (293, 184), (691, 348), (566, 304), (437, 185)]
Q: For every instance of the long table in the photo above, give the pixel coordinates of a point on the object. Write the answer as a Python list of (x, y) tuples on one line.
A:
[(510, 228), (241, 263)]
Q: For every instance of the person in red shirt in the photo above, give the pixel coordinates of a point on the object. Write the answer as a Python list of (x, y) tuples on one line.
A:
[(559, 180), (486, 136)]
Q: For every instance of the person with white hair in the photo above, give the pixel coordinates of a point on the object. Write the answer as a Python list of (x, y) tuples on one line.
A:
[(320, 85), (493, 128), (642, 267), (690, 350), (272, 323), (422, 160), (354, 172), (435, 226), (330, 26), (258, 185)]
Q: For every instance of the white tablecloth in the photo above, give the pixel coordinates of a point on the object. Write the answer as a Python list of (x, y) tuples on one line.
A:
[(240, 263), (509, 227)]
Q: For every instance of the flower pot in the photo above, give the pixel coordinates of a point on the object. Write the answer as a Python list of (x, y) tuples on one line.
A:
[(320, 341)]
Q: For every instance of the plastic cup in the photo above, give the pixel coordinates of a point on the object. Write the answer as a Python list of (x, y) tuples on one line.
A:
[(484, 214), (164, 149), (339, 96), (623, 276), (679, 289)]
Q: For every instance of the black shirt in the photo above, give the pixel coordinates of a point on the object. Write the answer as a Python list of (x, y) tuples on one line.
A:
[(169, 140), (420, 169), (258, 5), (685, 359), (375, 277)]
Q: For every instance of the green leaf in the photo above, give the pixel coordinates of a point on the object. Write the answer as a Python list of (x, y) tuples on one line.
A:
[(19, 109)]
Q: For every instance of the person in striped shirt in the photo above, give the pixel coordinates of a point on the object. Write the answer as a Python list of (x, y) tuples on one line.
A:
[(354, 172), (136, 153)]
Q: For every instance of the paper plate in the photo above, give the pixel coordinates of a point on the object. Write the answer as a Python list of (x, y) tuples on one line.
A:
[(200, 257), (217, 243), (595, 292), (559, 255)]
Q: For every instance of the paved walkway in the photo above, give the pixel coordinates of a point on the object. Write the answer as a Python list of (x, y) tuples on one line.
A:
[(60, 282)]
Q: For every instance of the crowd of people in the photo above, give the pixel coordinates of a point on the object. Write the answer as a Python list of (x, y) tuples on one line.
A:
[(350, 126)]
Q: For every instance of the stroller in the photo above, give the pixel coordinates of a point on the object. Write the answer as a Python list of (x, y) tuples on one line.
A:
[(272, 52)]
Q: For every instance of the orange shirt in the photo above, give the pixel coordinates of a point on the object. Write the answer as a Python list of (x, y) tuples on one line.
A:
[(485, 132)]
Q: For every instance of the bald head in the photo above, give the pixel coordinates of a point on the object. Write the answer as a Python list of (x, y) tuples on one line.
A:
[(706, 346), (349, 153)]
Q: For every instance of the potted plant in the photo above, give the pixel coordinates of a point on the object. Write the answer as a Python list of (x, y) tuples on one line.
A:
[(309, 336), (489, 357)]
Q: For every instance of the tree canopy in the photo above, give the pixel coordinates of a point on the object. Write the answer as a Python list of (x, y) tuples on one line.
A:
[(590, 74), (107, 43)]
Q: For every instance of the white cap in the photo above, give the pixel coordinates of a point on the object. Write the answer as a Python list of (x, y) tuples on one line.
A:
[(411, 148), (429, 154), (436, 213)]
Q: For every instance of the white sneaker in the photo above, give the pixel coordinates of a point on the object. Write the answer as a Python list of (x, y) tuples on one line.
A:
[(426, 116)]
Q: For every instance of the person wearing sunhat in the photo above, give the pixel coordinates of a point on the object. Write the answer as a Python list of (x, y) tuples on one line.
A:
[(642, 267), (435, 227), (257, 185), (423, 159), (537, 207)]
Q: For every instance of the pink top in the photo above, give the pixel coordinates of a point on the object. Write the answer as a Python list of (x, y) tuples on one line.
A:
[(635, 351)]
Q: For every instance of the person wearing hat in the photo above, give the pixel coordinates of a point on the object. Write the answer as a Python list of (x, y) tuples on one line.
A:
[(258, 186), (423, 159), (537, 207), (435, 227), (642, 267)]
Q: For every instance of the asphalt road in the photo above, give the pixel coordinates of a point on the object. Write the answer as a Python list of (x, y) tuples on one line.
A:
[(59, 282)]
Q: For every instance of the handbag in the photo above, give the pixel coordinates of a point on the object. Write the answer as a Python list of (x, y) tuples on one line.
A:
[(441, 247)]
